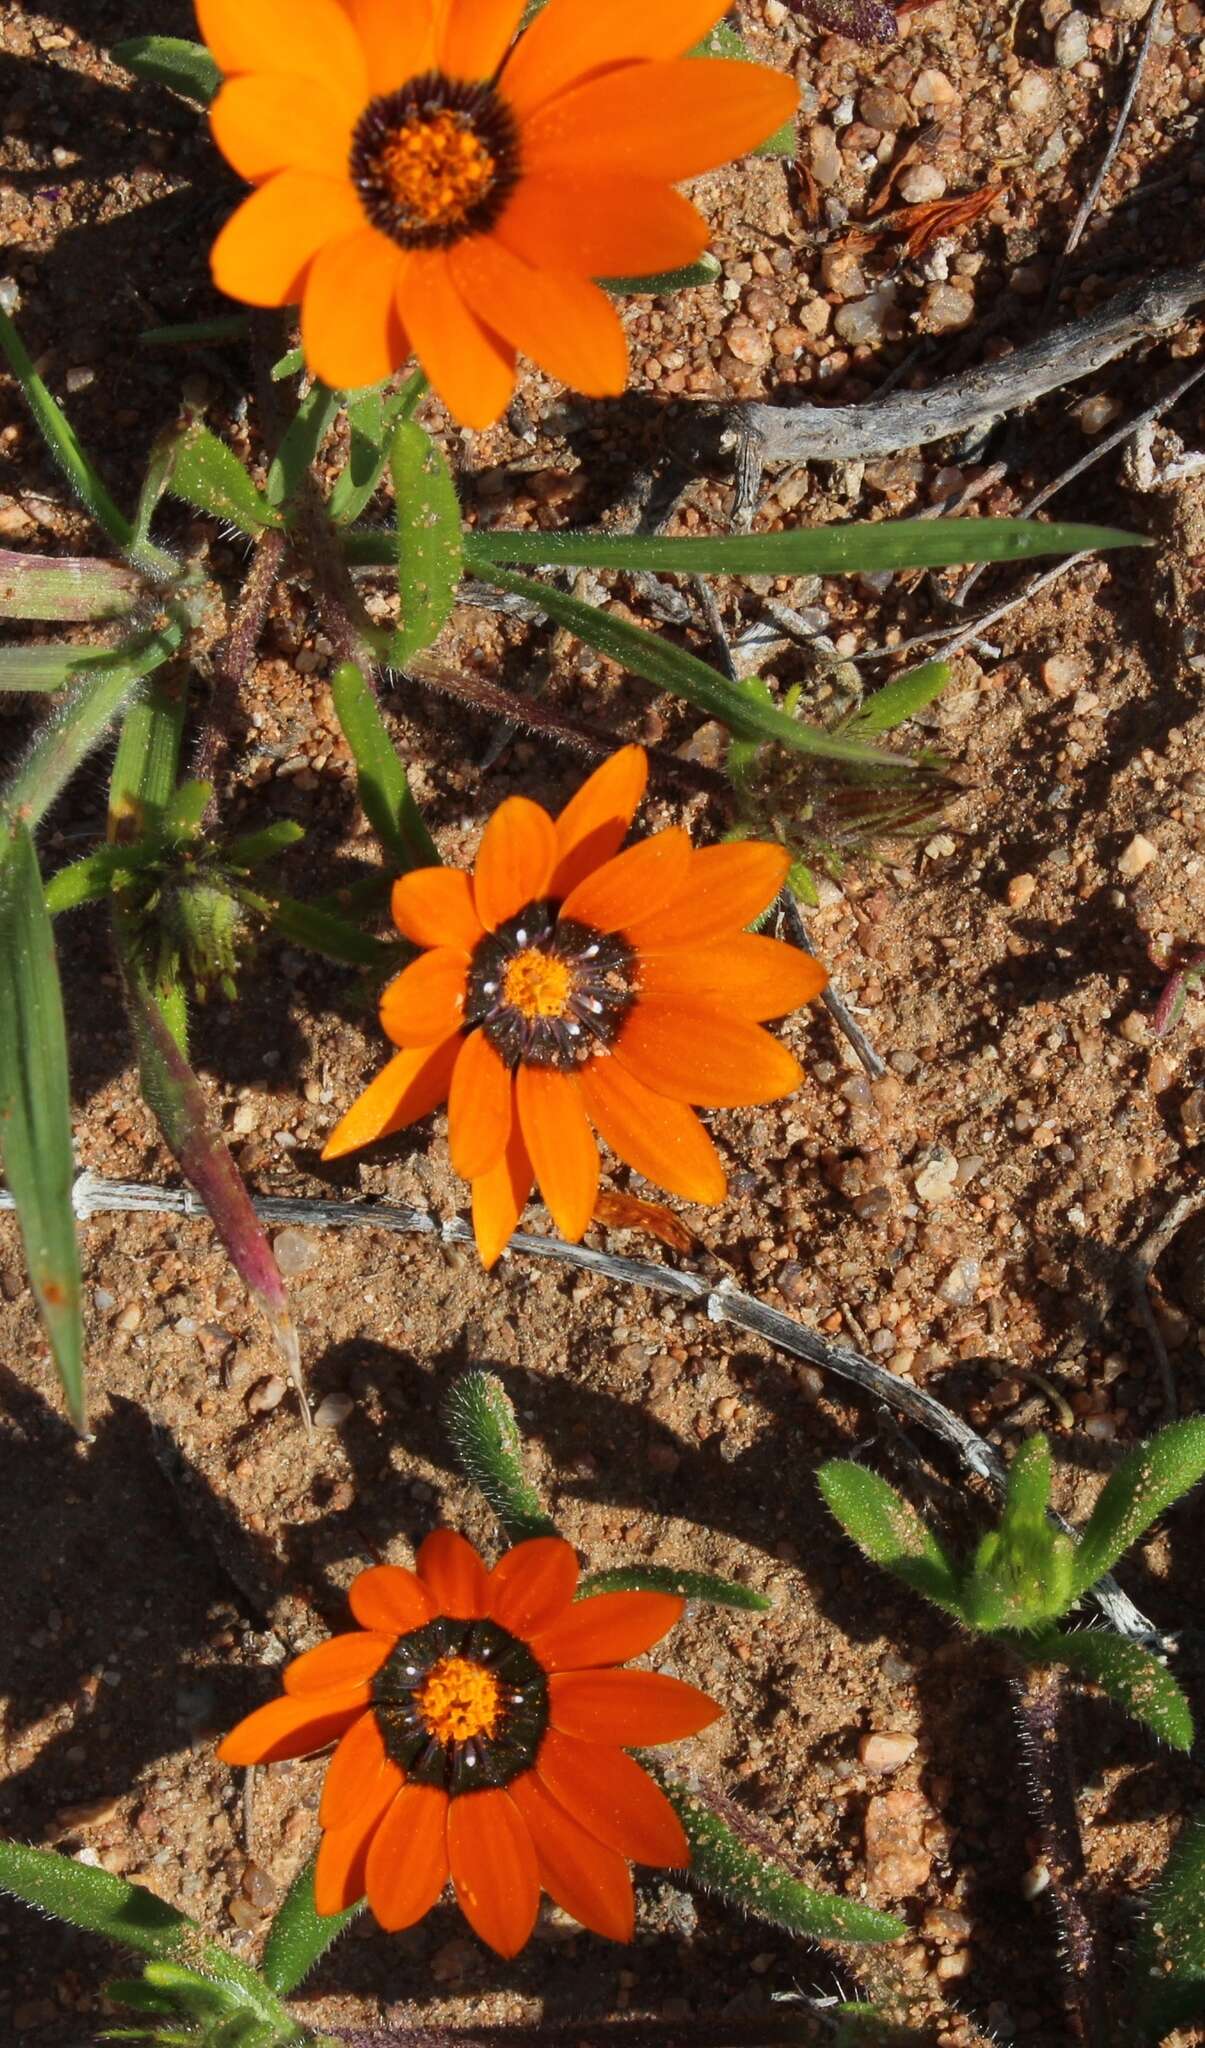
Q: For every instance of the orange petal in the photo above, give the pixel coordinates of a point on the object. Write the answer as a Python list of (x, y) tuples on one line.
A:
[(568, 40), (725, 889), (476, 36), (341, 1869), (310, 38), (390, 1598), (601, 227), (627, 1707), (360, 1777), (479, 1108), (265, 249), (758, 978), (499, 1198), (614, 1799), (350, 329), (514, 860), (590, 1882), (287, 1727), (493, 1868), (453, 1575), (408, 1859), (606, 1628), (560, 320), (533, 1584), (560, 1143), (470, 366), (407, 1089), (594, 823), (425, 1002), (633, 886), (343, 1660), (398, 42), (661, 120), (434, 906), (663, 1140), (693, 1052), (264, 123)]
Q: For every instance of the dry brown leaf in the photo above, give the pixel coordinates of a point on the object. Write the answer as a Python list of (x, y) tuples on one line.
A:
[(627, 1212)]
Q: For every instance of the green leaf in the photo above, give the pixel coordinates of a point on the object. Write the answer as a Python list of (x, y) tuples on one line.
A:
[(300, 1935), (901, 698), (182, 66), (93, 1900), (80, 721), (660, 1578), (1021, 1571), (304, 436), (154, 483), (748, 712), (226, 327), (136, 1992), (64, 588), (208, 474), (722, 1863), (723, 41), (1168, 1985), (44, 668), (290, 365), (60, 437), (480, 1421), (185, 809), (251, 849), (321, 931), (806, 551), (689, 278), (1144, 1484), (148, 757), (889, 1531), (1128, 1673), (371, 417), (384, 791), (90, 880), (35, 1110), (430, 550)]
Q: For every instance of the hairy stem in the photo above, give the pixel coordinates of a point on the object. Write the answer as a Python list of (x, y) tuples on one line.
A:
[(1039, 1699), (232, 665)]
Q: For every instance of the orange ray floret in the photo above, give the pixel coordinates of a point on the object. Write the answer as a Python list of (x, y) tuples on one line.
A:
[(570, 992), (481, 1725), (424, 183)]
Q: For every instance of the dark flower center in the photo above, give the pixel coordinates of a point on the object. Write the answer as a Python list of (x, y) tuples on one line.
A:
[(461, 1704), (435, 161), (549, 992)]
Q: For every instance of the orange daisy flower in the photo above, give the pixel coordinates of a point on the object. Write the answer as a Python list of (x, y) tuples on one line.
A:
[(427, 185), (482, 1728), (570, 989)]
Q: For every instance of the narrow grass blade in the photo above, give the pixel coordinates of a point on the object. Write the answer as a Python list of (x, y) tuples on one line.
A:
[(304, 436), (322, 931), (59, 435), (147, 760), (1135, 1680), (900, 699), (175, 1097), (888, 1531), (79, 723), (861, 546), (1144, 1484), (430, 550), (226, 327), (660, 1578), (721, 1862), (300, 1935), (480, 1421), (384, 791), (207, 474), (44, 668), (1168, 1985), (35, 1110), (689, 278), (748, 713), (182, 66), (67, 589)]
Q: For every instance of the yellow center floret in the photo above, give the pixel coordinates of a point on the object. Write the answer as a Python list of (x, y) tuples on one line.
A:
[(459, 1700), (537, 984), (437, 169)]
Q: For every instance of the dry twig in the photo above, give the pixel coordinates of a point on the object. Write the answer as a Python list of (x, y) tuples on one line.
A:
[(1088, 204)]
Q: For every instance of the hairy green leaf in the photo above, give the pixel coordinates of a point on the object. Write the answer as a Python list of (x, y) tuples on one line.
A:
[(704, 272), (208, 474), (90, 879), (901, 698), (661, 1578), (1128, 1673), (144, 771), (44, 668), (1168, 1985), (480, 1420), (182, 66), (67, 589), (79, 722), (303, 438), (321, 931), (384, 791), (94, 1900), (35, 1109), (300, 1935), (224, 327), (371, 418), (251, 849), (429, 543), (1144, 1484), (889, 1531)]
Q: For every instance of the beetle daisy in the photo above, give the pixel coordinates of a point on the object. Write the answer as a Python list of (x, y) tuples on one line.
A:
[(482, 1728), (570, 989), (427, 185)]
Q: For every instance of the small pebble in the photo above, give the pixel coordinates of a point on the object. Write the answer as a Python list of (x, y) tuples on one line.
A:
[(335, 1409), (296, 1250), (824, 155), (1035, 1881), (945, 309), (1071, 40), (1095, 414), (1021, 891), (937, 1177), (886, 1752), (1137, 856), (267, 1394), (921, 183), (861, 321), (961, 1282)]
